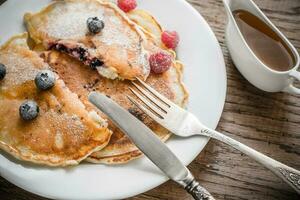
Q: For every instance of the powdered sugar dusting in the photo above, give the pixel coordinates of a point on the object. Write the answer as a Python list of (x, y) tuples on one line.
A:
[(68, 21), (19, 69), (118, 33), (119, 44), (144, 61), (67, 125)]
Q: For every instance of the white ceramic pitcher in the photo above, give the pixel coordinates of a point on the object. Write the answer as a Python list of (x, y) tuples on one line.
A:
[(250, 66)]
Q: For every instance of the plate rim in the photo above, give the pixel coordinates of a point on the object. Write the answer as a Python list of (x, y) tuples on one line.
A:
[(220, 109)]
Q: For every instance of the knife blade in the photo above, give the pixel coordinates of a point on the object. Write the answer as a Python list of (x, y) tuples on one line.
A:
[(149, 144)]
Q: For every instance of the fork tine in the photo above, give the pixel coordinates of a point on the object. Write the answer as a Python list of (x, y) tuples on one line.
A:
[(154, 116), (148, 103), (155, 93), (157, 102)]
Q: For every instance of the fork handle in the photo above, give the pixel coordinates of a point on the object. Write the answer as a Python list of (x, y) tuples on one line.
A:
[(286, 173)]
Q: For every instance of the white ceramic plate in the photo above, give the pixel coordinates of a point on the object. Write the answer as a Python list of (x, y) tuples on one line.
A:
[(205, 78)]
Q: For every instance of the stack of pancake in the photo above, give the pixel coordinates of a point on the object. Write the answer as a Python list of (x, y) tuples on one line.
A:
[(69, 129)]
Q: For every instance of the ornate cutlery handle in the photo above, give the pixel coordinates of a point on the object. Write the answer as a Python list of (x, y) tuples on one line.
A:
[(290, 176), (286, 173), (194, 188), (198, 192)]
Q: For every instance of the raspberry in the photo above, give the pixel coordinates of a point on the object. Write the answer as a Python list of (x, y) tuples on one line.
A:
[(170, 39), (160, 62), (127, 5)]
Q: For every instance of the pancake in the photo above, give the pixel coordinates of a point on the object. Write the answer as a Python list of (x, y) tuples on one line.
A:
[(121, 45), (120, 149), (82, 81), (148, 24), (64, 133)]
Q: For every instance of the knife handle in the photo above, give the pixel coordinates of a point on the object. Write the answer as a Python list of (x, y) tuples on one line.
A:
[(198, 192), (193, 187)]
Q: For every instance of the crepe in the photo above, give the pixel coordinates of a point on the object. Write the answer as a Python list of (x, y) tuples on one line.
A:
[(121, 45), (64, 133)]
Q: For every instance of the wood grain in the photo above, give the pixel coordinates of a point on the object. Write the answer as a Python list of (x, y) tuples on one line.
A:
[(267, 122)]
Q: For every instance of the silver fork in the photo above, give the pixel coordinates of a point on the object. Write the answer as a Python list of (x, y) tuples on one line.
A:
[(185, 124)]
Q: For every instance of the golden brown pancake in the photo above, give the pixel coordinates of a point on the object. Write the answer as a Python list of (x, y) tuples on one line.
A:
[(120, 45), (82, 81), (63, 134), (121, 149), (148, 24)]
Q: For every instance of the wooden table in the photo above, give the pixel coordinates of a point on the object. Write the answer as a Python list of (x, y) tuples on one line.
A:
[(268, 122)]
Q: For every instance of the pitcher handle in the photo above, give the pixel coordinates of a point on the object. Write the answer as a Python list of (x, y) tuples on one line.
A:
[(291, 88)]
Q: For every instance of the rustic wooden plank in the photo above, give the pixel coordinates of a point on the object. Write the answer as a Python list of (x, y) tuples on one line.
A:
[(268, 122)]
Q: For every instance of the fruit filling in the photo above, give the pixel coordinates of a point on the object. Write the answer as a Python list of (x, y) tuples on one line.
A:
[(78, 52)]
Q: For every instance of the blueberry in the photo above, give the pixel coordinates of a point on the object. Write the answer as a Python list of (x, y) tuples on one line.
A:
[(61, 48), (29, 110), (45, 80), (96, 63), (95, 25), (2, 71)]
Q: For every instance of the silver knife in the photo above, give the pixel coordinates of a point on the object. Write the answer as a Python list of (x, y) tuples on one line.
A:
[(150, 145)]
